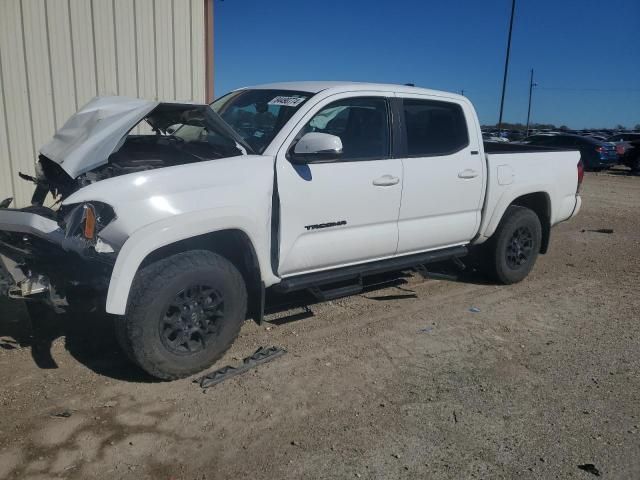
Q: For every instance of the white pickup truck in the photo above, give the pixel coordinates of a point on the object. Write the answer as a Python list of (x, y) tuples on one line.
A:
[(178, 217)]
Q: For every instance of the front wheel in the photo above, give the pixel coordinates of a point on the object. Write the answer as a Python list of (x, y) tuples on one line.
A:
[(184, 312), (514, 247)]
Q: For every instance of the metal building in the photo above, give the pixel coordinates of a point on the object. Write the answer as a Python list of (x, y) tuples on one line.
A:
[(55, 55)]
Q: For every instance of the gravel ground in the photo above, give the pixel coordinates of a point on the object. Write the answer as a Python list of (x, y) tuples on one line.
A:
[(398, 382)]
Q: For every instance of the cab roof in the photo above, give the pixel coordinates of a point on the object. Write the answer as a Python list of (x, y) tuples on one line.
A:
[(318, 86)]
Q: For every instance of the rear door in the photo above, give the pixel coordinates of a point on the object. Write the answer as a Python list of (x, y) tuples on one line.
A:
[(444, 174), (342, 211)]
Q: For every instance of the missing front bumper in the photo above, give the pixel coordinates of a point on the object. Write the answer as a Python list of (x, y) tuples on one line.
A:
[(38, 262)]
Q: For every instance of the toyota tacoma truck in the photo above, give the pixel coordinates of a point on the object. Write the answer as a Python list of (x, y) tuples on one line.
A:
[(178, 217)]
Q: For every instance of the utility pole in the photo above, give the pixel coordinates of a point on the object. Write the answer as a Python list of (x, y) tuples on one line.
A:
[(506, 63), (531, 85)]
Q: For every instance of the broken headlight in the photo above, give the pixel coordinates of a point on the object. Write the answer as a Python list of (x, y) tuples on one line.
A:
[(85, 220)]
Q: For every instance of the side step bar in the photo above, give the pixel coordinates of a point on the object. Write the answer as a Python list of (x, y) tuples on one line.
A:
[(355, 272), (323, 295)]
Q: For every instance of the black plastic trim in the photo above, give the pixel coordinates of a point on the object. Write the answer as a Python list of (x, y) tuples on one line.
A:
[(310, 280), (497, 148), (275, 224), (399, 147)]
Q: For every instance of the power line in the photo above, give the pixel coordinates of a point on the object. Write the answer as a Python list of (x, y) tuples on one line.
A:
[(531, 85), (506, 62)]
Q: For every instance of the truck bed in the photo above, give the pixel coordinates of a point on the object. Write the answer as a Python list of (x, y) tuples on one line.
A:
[(517, 169)]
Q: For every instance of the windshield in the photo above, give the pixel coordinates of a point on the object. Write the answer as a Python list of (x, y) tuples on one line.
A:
[(258, 115)]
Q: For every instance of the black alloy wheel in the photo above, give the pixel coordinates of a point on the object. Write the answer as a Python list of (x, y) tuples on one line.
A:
[(192, 319), (519, 247)]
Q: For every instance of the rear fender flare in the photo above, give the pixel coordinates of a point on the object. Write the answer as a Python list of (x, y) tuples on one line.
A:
[(506, 199)]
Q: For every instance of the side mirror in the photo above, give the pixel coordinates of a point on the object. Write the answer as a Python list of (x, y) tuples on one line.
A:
[(316, 147)]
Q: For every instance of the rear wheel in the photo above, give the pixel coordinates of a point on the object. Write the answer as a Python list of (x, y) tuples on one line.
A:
[(184, 312), (513, 249)]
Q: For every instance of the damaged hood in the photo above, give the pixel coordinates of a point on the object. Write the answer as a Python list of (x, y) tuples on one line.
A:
[(87, 139)]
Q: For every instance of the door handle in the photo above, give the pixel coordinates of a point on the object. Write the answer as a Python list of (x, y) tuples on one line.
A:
[(386, 181), (468, 173)]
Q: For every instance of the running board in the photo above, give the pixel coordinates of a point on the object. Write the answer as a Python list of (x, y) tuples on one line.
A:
[(339, 292), (356, 272)]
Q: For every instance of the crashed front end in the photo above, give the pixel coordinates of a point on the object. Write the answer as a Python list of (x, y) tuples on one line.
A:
[(57, 257), (65, 254)]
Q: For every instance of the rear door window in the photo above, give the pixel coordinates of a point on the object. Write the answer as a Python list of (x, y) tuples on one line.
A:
[(434, 128)]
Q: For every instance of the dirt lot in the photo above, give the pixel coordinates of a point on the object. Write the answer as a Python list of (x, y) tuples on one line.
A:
[(399, 382)]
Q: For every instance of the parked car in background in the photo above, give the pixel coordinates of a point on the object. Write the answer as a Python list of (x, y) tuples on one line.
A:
[(515, 135), (600, 138), (596, 155), (623, 137), (492, 137), (628, 149)]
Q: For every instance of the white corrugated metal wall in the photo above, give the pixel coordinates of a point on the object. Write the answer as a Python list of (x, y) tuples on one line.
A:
[(55, 55)]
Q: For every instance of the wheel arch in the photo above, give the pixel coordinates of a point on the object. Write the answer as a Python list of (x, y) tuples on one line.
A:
[(144, 248), (538, 200), (540, 204), (234, 245)]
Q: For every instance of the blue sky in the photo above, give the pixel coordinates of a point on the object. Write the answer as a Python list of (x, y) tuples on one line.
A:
[(585, 53)]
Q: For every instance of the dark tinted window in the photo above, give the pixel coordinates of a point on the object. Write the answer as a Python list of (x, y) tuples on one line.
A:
[(361, 123), (434, 128)]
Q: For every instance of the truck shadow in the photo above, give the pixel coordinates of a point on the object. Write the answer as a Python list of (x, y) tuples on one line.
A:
[(382, 287), (90, 339)]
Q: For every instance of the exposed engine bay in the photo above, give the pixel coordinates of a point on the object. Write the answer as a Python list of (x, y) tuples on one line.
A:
[(52, 250), (172, 134)]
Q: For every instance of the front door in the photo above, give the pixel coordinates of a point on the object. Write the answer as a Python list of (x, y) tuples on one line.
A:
[(345, 210)]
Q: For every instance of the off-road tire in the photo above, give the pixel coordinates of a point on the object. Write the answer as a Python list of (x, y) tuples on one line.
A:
[(499, 249), (155, 286)]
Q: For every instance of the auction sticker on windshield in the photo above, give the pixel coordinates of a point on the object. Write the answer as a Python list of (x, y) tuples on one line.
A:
[(287, 101)]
